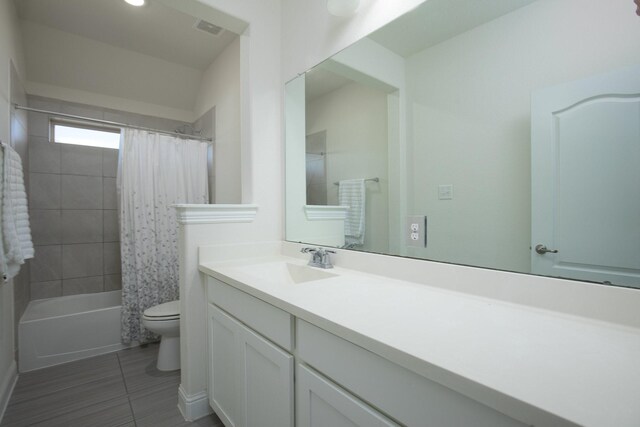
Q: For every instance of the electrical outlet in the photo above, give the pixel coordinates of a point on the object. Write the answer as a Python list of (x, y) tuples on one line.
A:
[(416, 231)]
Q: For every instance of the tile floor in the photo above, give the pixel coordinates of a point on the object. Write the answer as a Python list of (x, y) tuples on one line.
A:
[(117, 389)]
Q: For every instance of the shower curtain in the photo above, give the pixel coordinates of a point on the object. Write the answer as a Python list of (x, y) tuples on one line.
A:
[(155, 171)]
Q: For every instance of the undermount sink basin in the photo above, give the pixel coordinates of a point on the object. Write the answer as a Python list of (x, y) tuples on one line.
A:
[(288, 273)]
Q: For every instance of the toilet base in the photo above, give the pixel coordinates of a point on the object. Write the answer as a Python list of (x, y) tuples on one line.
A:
[(169, 354)]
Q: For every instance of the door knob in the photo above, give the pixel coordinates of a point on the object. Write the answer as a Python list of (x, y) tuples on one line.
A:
[(542, 249)]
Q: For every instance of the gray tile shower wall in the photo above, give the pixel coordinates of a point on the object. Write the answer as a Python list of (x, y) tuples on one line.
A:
[(73, 205)]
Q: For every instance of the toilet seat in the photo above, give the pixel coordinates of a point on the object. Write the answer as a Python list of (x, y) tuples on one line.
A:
[(163, 312), (164, 320)]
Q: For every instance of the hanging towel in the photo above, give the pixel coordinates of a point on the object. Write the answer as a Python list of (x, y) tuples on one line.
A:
[(351, 192), (16, 233)]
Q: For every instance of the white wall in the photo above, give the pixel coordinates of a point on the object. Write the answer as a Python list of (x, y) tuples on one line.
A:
[(10, 50), (355, 119), (261, 98), (366, 57), (220, 89), (57, 60), (262, 177), (359, 62), (470, 106), (299, 227), (261, 140)]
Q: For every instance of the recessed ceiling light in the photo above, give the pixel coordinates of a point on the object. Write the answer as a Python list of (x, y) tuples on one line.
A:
[(136, 2)]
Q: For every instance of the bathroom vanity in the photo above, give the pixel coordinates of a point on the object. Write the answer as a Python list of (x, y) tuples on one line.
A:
[(295, 345)]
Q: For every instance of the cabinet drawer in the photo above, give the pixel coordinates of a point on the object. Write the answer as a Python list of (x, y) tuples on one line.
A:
[(403, 395), (270, 321), (321, 403)]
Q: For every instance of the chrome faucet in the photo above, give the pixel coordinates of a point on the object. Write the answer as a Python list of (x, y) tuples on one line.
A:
[(319, 257)]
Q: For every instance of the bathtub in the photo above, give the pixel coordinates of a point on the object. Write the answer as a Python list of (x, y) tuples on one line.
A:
[(62, 329)]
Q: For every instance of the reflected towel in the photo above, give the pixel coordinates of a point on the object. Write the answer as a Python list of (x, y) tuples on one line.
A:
[(351, 192)]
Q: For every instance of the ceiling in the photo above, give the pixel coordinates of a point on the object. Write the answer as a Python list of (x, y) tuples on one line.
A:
[(438, 20), (431, 23), (155, 29)]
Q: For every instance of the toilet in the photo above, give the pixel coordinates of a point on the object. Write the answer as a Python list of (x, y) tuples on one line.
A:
[(164, 320)]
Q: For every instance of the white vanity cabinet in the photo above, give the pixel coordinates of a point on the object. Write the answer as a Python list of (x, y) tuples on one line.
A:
[(251, 375), (250, 378), (404, 396)]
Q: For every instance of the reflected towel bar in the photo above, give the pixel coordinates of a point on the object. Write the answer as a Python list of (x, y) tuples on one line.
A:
[(376, 179)]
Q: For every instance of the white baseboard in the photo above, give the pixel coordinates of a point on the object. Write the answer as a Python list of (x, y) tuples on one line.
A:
[(6, 387), (195, 406)]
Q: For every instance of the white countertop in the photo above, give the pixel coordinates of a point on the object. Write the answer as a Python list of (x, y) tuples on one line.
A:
[(535, 365)]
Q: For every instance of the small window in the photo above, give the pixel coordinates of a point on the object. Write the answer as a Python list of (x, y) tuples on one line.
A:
[(71, 133)]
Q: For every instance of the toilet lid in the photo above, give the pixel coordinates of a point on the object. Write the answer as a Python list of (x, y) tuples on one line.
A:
[(168, 309)]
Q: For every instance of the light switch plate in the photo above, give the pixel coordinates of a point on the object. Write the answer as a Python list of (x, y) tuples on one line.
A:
[(445, 192), (416, 231)]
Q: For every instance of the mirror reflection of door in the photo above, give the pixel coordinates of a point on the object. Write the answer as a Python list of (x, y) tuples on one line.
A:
[(586, 179), (316, 167)]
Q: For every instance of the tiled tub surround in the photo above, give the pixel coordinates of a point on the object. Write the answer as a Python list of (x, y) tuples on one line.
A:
[(72, 198), (558, 356), (73, 205)]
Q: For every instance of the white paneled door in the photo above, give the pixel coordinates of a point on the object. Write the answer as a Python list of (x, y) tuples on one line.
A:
[(585, 148)]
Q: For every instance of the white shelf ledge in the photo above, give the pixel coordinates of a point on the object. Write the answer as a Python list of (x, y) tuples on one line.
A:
[(324, 213)]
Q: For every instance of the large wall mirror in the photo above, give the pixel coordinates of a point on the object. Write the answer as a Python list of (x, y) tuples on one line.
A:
[(502, 134)]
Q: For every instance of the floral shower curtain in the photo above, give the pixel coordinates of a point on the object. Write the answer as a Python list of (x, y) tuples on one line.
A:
[(155, 171)]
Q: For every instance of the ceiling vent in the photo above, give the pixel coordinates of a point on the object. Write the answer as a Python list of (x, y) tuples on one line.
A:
[(203, 25)]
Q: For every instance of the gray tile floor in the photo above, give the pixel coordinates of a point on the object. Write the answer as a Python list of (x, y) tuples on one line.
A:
[(117, 389)]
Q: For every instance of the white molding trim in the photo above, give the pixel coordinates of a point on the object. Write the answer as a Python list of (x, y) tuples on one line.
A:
[(6, 387), (324, 213), (212, 214), (195, 406)]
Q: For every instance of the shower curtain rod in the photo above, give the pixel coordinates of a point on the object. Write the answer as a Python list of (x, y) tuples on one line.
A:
[(115, 124)]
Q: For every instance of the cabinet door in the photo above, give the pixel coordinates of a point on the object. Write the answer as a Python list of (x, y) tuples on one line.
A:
[(320, 403), (224, 341), (267, 383), (250, 379)]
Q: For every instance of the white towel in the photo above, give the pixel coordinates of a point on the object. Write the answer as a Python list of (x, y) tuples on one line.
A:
[(351, 192), (16, 233)]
